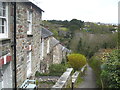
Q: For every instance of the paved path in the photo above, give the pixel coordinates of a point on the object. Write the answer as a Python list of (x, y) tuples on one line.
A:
[(89, 79)]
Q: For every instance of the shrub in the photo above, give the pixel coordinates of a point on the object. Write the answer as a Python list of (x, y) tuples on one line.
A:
[(107, 69), (57, 69), (77, 60), (37, 74), (111, 71), (37, 82)]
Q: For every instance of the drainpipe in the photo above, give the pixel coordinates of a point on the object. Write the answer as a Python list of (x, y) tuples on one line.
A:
[(15, 78)]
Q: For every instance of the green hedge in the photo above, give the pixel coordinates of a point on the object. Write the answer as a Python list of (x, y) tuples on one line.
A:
[(107, 72), (76, 61), (54, 70), (111, 71), (57, 69)]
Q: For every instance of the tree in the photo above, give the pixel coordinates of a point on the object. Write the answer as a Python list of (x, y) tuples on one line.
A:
[(77, 61)]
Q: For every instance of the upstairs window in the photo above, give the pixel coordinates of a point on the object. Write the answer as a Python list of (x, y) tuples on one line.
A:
[(29, 20), (3, 20)]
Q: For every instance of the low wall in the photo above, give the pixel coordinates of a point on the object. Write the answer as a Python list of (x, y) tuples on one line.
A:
[(67, 80), (48, 78), (75, 76), (64, 80)]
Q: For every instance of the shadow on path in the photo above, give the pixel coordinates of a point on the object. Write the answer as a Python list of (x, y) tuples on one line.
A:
[(89, 79)]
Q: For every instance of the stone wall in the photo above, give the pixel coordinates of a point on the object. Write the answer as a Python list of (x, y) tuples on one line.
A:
[(36, 39), (64, 80), (57, 54), (24, 40), (47, 59)]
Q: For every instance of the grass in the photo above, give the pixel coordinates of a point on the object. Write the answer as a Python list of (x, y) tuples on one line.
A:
[(63, 29), (77, 83), (46, 82)]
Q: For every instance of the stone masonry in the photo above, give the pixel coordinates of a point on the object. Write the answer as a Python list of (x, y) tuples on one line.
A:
[(24, 40)]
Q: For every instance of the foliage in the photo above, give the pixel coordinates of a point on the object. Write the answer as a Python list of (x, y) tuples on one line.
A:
[(37, 82), (79, 80), (68, 65), (88, 43), (106, 65), (76, 60), (97, 28), (63, 29), (111, 71), (37, 74), (67, 24), (83, 37), (57, 69), (54, 70), (55, 33), (47, 82)]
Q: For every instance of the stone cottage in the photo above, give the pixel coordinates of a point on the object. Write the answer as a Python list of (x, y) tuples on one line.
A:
[(46, 56), (59, 53), (28, 38), (6, 49), (52, 52)]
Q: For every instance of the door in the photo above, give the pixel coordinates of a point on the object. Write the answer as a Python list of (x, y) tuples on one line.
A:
[(28, 64)]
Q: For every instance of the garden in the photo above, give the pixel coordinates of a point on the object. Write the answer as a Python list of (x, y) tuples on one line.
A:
[(47, 80)]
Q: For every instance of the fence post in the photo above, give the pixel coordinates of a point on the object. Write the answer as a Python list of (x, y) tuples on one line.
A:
[(72, 85)]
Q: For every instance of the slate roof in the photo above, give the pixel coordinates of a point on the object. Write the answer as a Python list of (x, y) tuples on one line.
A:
[(32, 1), (35, 3), (65, 49), (54, 42), (46, 33)]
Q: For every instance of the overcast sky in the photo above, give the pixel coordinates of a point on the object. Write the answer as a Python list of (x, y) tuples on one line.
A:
[(105, 11)]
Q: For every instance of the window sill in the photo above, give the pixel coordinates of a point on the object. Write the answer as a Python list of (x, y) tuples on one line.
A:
[(30, 35), (4, 39)]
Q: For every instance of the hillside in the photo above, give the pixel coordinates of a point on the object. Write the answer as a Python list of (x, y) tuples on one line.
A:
[(83, 37)]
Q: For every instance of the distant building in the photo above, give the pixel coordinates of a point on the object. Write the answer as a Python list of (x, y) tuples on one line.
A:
[(45, 49), (52, 52)]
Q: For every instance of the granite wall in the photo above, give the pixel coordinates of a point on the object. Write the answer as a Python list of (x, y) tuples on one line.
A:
[(27, 43)]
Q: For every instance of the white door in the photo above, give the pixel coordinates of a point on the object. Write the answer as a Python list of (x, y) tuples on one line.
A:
[(29, 64)]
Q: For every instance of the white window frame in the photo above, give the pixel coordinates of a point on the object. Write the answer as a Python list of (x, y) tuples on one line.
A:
[(42, 53), (5, 34), (29, 59), (29, 20), (48, 46)]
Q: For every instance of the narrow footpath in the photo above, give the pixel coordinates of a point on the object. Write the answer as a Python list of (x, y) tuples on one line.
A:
[(89, 79)]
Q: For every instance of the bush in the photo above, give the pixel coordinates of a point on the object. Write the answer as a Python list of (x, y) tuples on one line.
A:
[(111, 71), (77, 61), (57, 69), (54, 70), (37, 74), (107, 69)]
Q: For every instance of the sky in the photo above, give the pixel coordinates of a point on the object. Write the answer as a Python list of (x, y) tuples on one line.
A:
[(104, 11)]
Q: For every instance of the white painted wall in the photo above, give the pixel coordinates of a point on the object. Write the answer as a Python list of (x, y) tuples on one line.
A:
[(7, 76)]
